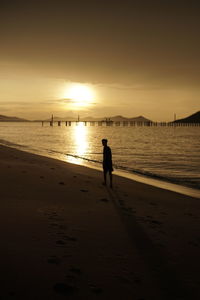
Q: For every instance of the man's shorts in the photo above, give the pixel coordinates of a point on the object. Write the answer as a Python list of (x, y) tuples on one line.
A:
[(107, 167)]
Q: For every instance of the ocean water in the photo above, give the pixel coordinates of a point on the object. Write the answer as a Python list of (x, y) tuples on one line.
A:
[(165, 153)]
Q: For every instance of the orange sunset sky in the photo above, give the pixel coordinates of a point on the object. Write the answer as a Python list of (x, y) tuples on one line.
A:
[(99, 58)]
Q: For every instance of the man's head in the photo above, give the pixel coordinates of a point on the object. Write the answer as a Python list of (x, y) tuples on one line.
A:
[(104, 142)]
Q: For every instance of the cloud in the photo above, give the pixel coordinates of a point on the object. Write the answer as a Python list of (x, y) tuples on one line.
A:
[(136, 87), (15, 103), (60, 101), (66, 100)]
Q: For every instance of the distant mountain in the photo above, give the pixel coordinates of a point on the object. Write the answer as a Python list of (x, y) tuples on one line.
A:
[(67, 118), (133, 119), (140, 119), (11, 119), (117, 118), (90, 119), (195, 118)]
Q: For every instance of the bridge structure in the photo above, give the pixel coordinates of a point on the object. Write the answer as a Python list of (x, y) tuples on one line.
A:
[(106, 123)]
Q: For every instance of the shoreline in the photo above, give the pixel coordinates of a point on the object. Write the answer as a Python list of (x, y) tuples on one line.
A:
[(181, 189), (174, 187), (65, 234)]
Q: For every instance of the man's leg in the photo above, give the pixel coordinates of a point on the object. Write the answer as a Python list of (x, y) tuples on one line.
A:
[(110, 173), (104, 175)]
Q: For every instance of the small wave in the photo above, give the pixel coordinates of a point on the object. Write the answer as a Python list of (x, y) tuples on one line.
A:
[(75, 156), (10, 144), (194, 182), (185, 181)]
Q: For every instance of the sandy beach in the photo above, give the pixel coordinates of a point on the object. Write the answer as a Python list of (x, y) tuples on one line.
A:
[(65, 235)]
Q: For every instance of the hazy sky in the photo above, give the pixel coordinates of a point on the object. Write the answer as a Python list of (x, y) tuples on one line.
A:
[(138, 57)]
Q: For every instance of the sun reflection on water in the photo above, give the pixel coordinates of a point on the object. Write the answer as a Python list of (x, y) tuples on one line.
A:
[(80, 139)]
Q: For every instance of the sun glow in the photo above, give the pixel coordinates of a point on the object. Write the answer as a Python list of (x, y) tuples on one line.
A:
[(80, 135), (80, 141), (79, 94)]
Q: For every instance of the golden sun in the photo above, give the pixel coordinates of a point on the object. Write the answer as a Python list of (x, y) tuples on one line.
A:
[(79, 94)]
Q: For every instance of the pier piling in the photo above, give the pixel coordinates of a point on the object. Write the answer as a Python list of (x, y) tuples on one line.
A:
[(109, 123)]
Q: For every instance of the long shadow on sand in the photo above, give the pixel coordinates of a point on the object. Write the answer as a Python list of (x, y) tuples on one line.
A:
[(155, 258)]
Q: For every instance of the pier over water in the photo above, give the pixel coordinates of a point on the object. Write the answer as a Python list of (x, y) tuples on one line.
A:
[(119, 123)]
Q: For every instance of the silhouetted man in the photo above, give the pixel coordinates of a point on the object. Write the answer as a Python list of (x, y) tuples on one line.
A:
[(107, 161)]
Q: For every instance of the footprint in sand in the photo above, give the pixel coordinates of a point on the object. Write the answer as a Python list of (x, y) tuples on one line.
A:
[(162, 232), (153, 222), (62, 183), (54, 225), (95, 289), (193, 244), (42, 177), (60, 242), (84, 191), (104, 200), (54, 213), (137, 280), (156, 222), (64, 289), (54, 260), (71, 279), (62, 227), (53, 217), (127, 210), (60, 233), (153, 203), (191, 215), (70, 238), (75, 270), (123, 279)]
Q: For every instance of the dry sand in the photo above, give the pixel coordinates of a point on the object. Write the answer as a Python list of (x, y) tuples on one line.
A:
[(66, 236)]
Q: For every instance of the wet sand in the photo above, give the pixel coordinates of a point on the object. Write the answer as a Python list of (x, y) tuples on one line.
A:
[(65, 235)]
